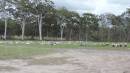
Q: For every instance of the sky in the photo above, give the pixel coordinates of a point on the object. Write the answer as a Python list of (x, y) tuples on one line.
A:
[(94, 6)]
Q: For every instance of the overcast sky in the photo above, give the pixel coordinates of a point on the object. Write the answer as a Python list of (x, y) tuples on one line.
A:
[(95, 6)]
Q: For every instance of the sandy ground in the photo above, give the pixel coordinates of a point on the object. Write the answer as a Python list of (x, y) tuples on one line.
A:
[(71, 61)]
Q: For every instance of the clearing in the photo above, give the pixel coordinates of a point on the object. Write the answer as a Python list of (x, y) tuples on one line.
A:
[(71, 61)]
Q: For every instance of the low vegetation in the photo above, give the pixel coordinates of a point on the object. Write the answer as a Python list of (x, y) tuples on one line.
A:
[(25, 49)]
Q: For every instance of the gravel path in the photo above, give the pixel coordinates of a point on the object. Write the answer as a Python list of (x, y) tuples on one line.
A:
[(71, 61)]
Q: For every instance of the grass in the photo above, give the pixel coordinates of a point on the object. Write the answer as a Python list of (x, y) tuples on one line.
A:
[(21, 49), (9, 49)]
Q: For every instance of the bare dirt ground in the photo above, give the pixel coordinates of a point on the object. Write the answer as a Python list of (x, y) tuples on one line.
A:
[(71, 61)]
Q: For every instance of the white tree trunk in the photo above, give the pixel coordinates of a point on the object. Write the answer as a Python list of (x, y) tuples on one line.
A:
[(23, 29), (40, 27), (5, 32), (62, 30)]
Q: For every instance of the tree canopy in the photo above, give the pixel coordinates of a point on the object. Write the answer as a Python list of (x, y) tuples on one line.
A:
[(40, 19)]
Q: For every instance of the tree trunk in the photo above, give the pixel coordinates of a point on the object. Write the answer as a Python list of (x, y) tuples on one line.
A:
[(62, 30), (23, 29), (70, 37), (86, 37), (40, 27), (47, 33), (5, 32), (108, 35), (79, 36)]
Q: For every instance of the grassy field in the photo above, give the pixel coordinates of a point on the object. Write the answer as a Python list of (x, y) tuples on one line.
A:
[(25, 49)]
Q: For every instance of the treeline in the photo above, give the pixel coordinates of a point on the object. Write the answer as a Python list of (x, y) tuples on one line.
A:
[(40, 20)]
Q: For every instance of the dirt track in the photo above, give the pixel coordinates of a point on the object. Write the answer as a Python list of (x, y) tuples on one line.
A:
[(71, 61)]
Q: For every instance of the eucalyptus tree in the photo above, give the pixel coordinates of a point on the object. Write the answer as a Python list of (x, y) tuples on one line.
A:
[(73, 24), (21, 13), (51, 27), (126, 21), (69, 19), (115, 27), (4, 14), (119, 33), (105, 25), (112, 28), (89, 25), (61, 21), (26, 9), (40, 8), (62, 26)]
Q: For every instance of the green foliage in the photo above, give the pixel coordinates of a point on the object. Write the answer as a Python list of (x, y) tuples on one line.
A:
[(86, 27)]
